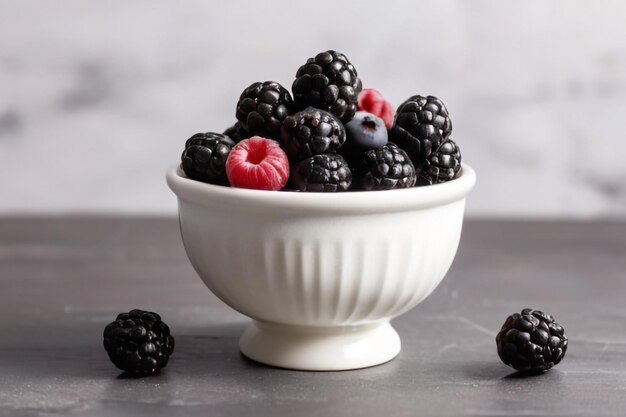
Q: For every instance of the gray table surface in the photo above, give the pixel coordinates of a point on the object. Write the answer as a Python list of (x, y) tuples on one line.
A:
[(62, 280)]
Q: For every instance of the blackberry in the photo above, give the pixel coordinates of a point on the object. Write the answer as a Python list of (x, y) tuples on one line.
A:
[(421, 124), (329, 82), (442, 165), (327, 173), (204, 157), (386, 168), (311, 132), (138, 342), (237, 133), (531, 341), (262, 107)]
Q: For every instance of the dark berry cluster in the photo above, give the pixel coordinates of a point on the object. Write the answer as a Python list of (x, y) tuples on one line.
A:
[(441, 165), (386, 168), (138, 342), (332, 135), (531, 341), (326, 172), (328, 81), (204, 157), (311, 132), (262, 107), (237, 133), (422, 127)]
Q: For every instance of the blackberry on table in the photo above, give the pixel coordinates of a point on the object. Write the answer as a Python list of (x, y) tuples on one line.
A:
[(138, 342), (328, 81), (531, 341), (322, 173), (204, 157), (237, 133), (421, 124), (311, 132), (386, 168), (262, 107), (442, 165)]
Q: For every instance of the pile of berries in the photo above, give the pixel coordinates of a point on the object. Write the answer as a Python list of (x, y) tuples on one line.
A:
[(331, 135)]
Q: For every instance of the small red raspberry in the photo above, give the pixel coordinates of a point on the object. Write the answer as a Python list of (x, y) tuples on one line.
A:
[(257, 163), (371, 101)]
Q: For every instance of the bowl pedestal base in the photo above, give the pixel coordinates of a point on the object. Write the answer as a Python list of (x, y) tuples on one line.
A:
[(320, 348)]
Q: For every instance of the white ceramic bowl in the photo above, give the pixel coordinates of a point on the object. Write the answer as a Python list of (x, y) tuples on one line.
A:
[(321, 274)]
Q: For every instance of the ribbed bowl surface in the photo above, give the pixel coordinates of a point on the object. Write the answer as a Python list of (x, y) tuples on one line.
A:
[(321, 260)]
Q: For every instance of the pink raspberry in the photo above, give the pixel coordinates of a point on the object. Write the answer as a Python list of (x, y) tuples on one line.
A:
[(257, 163), (371, 101)]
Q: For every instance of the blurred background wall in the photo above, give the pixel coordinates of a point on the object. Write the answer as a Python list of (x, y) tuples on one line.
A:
[(97, 98)]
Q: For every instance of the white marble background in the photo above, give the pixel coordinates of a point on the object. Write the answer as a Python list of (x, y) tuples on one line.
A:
[(97, 98)]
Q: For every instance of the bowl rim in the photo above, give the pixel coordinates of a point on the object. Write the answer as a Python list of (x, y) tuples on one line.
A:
[(406, 199)]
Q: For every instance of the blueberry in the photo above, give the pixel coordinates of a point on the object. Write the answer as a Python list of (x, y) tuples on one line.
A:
[(366, 131)]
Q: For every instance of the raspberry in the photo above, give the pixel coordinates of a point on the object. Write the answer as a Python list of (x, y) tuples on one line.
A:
[(138, 342), (372, 101), (257, 163)]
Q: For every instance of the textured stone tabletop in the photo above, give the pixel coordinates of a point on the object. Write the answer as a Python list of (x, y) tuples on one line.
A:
[(62, 280)]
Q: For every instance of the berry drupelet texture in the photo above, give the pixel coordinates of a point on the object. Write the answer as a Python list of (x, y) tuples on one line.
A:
[(262, 107), (258, 163), (421, 124), (531, 341), (138, 342), (386, 168), (311, 132), (204, 157), (237, 133), (328, 81), (444, 164), (322, 173)]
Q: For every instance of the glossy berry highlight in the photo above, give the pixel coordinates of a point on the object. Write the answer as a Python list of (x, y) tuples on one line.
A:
[(365, 131), (531, 341), (311, 132), (322, 173), (138, 342), (442, 165), (262, 107), (204, 157), (421, 124), (386, 168), (329, 82)]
